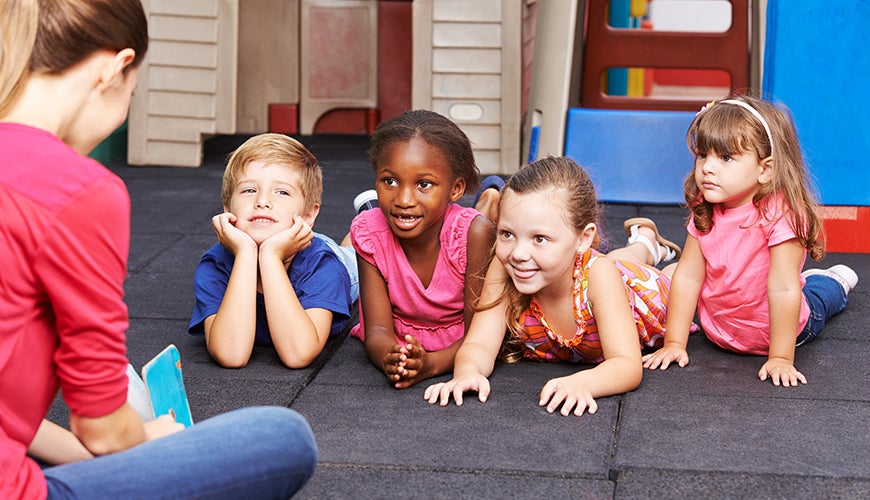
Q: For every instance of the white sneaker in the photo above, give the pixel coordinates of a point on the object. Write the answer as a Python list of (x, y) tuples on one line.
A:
[(365, 200), (844, 275)]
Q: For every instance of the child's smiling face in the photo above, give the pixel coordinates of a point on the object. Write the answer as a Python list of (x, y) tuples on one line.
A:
[(266, 198), (535, 244), (415, 185)]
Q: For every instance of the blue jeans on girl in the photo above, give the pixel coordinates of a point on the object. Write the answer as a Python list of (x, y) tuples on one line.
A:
[(826, 297)]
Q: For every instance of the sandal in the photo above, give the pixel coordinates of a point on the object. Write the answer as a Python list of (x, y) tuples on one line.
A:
[(672, 250)]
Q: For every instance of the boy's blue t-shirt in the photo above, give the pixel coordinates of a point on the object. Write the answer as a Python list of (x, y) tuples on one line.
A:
[(318, 276)]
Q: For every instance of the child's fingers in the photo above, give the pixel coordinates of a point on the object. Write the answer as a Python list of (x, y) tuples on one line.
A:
[(568, 405), (553, 394), (483, 390), (590, 405), (457, 390), (411, 342), (412, 363), (683, 360), (432, 392)]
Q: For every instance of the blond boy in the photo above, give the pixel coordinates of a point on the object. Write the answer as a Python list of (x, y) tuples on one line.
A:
[(269, 280)]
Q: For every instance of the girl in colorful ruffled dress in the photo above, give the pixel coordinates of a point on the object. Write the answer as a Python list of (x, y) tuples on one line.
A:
[(560, 299)]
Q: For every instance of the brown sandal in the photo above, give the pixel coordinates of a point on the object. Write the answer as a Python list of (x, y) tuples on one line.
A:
[(672, 250)]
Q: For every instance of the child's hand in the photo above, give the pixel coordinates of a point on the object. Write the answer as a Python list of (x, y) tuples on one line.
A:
[(569, 392), (457, 386), (403, 364), (231, 237), (780, 370), (287, 243), (412, 361), (665, 356), (394, 363)]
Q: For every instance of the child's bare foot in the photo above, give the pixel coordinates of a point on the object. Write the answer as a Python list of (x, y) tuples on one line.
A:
[(486, 201), (487, 204)]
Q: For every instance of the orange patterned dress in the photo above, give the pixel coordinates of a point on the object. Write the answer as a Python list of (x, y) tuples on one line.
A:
[(646, 289)]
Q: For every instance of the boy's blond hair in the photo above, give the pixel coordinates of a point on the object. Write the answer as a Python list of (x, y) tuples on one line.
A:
[(275, 149)]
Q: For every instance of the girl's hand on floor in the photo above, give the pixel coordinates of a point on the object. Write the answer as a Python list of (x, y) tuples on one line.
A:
[(782, 372), (665, 356), (457, 386), (570, 393)]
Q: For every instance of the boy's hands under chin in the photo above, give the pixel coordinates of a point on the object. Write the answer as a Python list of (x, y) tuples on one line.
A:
[(231, 237), (287, 243)]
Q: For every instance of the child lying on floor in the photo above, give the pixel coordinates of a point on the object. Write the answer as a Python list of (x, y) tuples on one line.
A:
[(270, 279), (560, 299)]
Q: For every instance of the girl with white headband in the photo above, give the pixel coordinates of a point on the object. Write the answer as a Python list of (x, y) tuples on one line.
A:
[(753, 221)]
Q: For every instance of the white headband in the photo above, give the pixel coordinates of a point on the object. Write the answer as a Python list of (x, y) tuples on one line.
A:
[(756, 114)]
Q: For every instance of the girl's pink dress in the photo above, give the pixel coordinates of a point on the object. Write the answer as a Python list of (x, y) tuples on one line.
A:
[(434, 315)]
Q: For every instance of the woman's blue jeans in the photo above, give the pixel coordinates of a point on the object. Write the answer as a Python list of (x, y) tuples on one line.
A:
[(826, 297), (259, 452)]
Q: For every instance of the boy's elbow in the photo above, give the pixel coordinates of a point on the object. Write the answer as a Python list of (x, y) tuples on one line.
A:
[(228, 360), (298, 360)]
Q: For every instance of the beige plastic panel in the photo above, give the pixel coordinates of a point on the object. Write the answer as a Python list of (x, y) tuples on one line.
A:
[(554, 68), (467, 66), (466, 35), (463, 60), (338, 58), (187, 83), (268, 60)]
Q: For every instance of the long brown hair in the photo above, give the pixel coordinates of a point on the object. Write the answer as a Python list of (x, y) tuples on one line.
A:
[(51, 36), (729, 129), (570, 184)]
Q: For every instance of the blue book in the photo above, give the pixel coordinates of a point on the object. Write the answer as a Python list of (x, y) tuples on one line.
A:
[(161, 388)]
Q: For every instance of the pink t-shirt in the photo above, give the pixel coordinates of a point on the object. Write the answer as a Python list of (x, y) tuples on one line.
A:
[(64, 238), (733, 306), (434, 315)]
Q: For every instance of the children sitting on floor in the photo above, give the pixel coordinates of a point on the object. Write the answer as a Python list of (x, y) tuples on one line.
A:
[(753, 221)]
